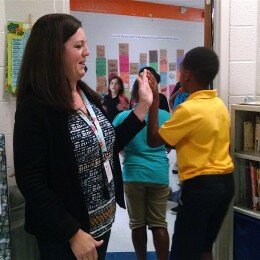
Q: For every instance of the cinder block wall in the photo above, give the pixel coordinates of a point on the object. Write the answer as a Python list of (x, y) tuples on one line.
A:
[(243, 49)]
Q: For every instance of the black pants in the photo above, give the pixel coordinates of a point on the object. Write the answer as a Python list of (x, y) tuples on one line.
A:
[(203, 206), (51, 250)]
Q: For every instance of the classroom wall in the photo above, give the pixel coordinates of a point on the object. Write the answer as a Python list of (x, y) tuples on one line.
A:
[(100, 28), (18, 10)]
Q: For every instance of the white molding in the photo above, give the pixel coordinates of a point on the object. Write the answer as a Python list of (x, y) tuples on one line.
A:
[(221, 46)]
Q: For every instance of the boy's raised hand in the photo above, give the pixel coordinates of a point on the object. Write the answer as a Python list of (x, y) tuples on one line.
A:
[(153, 85)]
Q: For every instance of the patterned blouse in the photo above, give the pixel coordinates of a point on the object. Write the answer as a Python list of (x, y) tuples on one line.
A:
[(101, 208)]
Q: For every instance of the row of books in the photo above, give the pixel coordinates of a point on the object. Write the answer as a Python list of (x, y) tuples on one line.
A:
[(252, 135), (250, 185)]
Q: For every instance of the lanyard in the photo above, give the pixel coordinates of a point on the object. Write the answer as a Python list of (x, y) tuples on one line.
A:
[(96, 126)]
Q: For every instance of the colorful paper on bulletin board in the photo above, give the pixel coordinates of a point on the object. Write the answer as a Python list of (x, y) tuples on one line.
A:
[(154, 65), (164, 90), (124, 63), (163, 78), (163, 60), (125, 77), (180, 56), (100, 67), (142, 66), (153, 57), (172, 66), (171, 78), (132, 81), (143, 59), (101, 85), (171, 81), (123, 49), (17, 36), (134, 68), (100, 51), (112, 67)]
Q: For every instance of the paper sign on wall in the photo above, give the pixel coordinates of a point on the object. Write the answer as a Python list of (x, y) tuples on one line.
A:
[(17, 35), (124, 63), (163, 60), (163, 78), (112, 67), (101, 67), (172, 66), (153, 56), (134, 68), (101, 87), (123, 49), (100, 51)]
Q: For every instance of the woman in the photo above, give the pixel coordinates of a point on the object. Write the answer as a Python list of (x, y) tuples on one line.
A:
[(115, 101), (65, 149)]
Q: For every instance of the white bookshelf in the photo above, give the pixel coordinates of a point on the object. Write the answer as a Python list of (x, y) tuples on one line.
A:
[(240, 114)]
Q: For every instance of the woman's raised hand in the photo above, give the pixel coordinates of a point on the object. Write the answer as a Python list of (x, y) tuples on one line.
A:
[(144, 93)]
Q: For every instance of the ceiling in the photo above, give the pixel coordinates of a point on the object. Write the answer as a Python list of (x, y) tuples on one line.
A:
[(186, 3)]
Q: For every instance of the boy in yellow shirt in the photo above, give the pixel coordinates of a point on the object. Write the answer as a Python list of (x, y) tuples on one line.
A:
[(199, 128)]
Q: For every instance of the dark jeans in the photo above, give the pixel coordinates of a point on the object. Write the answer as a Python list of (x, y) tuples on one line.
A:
[(51, 250), (203, 205)]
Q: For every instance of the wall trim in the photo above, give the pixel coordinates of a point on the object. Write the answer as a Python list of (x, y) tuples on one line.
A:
[(136, 8)]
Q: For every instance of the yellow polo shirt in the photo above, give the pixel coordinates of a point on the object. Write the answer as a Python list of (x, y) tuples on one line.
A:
[(199, 128)]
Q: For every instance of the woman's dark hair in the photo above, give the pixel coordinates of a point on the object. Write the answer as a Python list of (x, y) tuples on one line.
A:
[(203, 63), (42, 72), (120, 82)]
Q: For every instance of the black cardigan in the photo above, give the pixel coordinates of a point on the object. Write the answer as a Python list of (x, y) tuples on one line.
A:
[(46, 171)]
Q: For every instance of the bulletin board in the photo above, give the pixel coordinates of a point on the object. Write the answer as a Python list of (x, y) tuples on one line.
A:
[(122, 45)]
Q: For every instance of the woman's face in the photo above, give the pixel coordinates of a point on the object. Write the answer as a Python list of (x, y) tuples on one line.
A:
[(75, 53), (114, 86)]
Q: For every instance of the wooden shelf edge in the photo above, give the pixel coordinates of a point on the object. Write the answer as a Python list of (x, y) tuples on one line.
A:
[(248, 212)]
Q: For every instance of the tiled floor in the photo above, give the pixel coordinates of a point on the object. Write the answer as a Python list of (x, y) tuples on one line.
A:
[(120, 240)]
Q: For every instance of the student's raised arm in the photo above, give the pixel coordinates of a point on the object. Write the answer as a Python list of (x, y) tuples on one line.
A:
[(153, 137)]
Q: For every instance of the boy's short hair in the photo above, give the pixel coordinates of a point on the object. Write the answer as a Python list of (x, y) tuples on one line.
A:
[(204, 64)]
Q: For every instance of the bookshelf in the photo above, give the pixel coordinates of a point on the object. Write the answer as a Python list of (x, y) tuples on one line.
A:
[(246, 219)]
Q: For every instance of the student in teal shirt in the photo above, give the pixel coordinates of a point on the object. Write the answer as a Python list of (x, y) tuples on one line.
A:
[(146, 180)]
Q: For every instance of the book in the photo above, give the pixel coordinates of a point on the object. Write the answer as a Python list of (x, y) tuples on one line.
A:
[(257, 133), (248, 136)]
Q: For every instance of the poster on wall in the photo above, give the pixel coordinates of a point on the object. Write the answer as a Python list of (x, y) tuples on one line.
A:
[(172, 66), (143, 60), (101, 67), (101, 86), (112, 68), (124, 64), (153, 59), (17, 36), (163, 60), (100, 49), (134, 68)]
